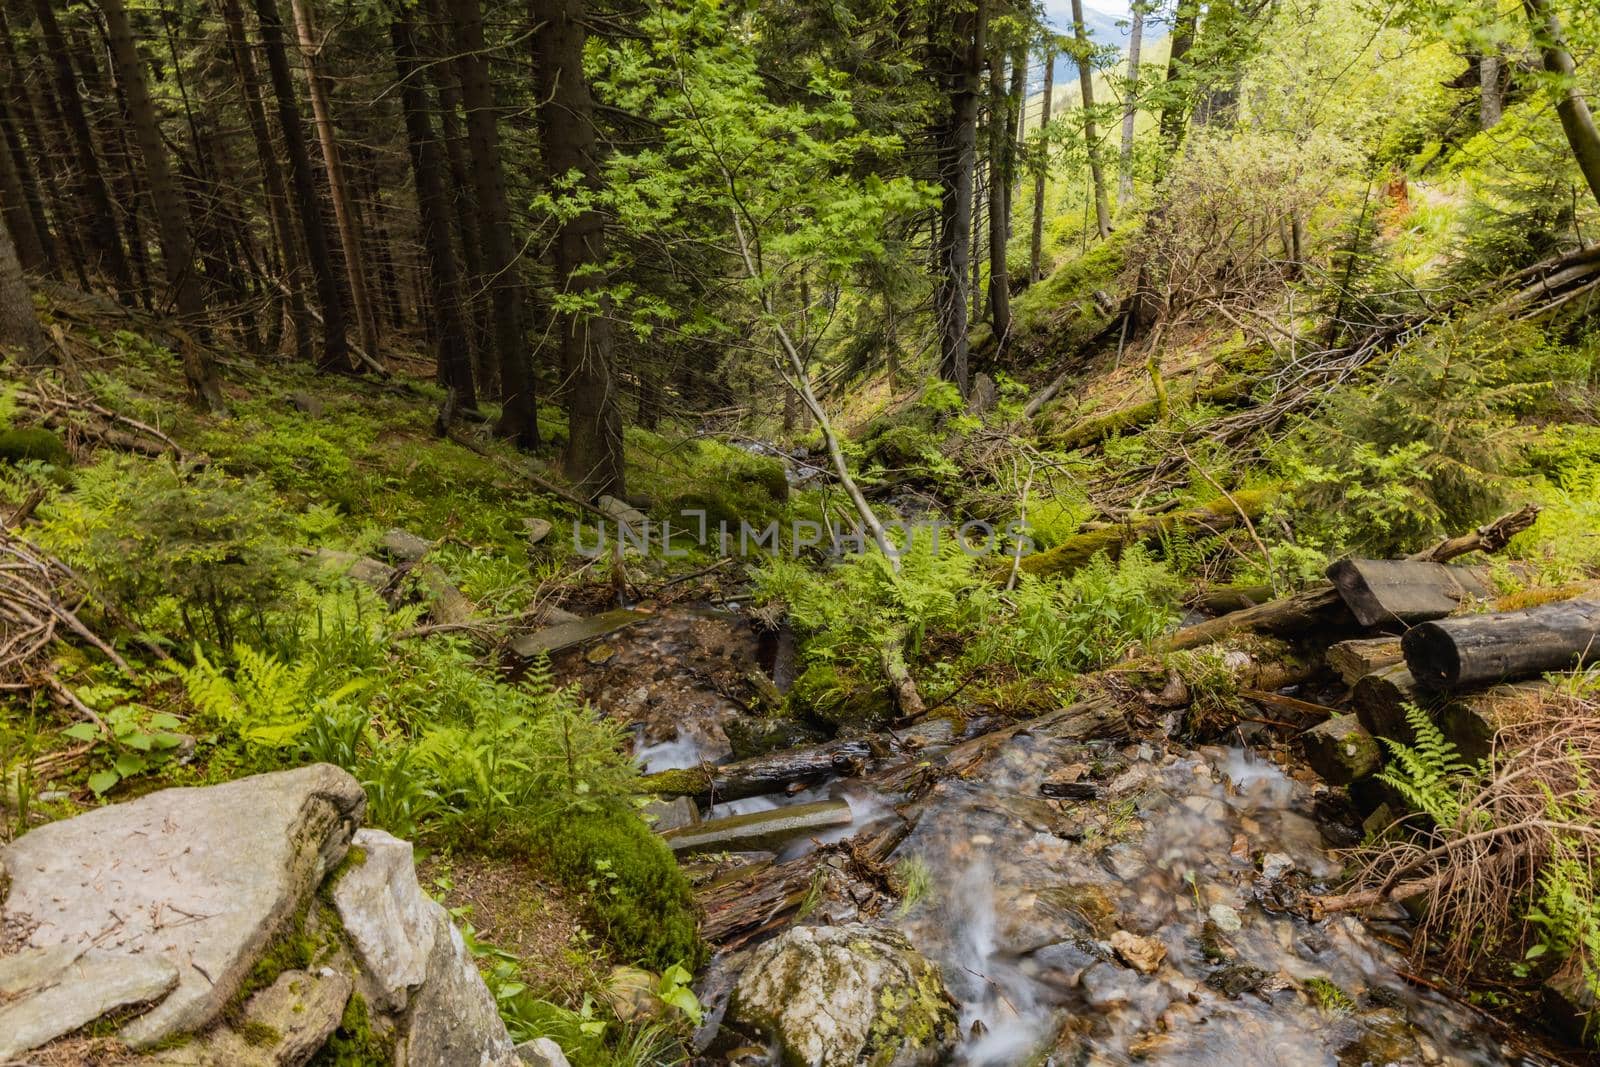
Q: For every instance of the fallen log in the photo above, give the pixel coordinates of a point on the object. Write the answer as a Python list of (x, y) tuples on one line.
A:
[(1223, 599), (1383, 592), (566, 634), (757, 829), (1503, 646), (1356, 659), (1315, 608), (1213, 517), (1491, 537), (760, 775), (1380, 700)]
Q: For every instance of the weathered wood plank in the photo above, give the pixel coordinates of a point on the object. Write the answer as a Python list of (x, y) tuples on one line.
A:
[(1386, 592)]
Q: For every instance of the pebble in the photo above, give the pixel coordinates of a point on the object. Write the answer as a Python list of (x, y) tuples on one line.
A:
[(1226, 918)]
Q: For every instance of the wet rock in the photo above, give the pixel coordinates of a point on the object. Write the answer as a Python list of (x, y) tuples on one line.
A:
[(403, 546), (672, 814), (1385, 1038), (48, 992), (1085, 906), (542, 1052), (1226, 918), (203, 878), (1143, 954), (1341, 750), (1235, 979), (1569, 1005), (845, 995), (753, 736)]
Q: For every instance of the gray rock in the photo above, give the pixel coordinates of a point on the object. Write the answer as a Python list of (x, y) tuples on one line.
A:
[(672, 814), (388, 921), (1341, 750), (538, 530), (285, 1024), (202, 878), (372, 572), (542, 1052), (453, 1021), (985, 395), (404, 546), (835, 996), (63, 987), (307, 404), (623, 512)]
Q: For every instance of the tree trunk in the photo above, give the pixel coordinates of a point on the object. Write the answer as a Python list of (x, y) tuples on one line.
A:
[(27, 247), (519, 419), (1175, 108), (277, 197), (112, 123), (1490, 103), (338, 191), (172, 218), (37, 168), (100, 221), (1576, 120), (1016, 103), (962, 56), (1080, 35), (593, 458), (1000, 141), (1389, 592), (335, 347), (1504, 646), (20, 334), (449, 325), (1041, 166), (1130, 107)]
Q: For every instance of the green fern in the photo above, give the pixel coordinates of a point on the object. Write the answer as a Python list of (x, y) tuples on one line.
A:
[(1430, 775)]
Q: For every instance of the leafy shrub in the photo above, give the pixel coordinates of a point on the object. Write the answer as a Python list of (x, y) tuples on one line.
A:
[(177, 548), (631, 883)]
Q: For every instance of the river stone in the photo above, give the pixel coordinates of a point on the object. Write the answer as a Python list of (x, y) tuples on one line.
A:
[(1143, 954), (388, 921), (203, 877), (60, 988), (836, 996), (453, 1020), (1341, 750)]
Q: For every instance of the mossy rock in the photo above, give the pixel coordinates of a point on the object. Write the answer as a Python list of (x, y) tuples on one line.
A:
[(839, 700), (904, 447), (33, 442), (767, 474), (753, 736), (646, 910)]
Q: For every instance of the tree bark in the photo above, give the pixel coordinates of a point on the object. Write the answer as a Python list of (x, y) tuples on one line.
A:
[(335, 354), (1130, 106), (35, 169), (1016, 103), (1576, 120), (1174, 109), (1490, 103), (760, 775), (100, 221), (593, 458), (338, 189), (1041, 166), (20, 334), (1091, 137), (172, 217), (276, 195), (28, 248), (962, 58), (519, 419), (1504, 646), (1000, 142), (444, 285)]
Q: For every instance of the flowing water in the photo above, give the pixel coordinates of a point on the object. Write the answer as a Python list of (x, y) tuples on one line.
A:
[(1191, 849)]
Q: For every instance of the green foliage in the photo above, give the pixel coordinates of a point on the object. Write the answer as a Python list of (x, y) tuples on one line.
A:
[(177, 548), (1086, 620), (629, 879), (32, 443), (130, 739), (1430, 775)]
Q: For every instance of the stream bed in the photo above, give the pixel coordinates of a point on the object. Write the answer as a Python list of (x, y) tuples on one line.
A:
[(1184, 854)]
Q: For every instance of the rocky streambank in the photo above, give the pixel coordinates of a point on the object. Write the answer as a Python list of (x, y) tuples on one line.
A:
[(243, 924)]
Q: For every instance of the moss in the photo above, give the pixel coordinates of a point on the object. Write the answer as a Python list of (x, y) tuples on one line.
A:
[(912, 1016), (836, 698), (678, 782), (355, 857), (1329, 997), (258, 1034), (356, 1043), (633, 890), (32, 442)]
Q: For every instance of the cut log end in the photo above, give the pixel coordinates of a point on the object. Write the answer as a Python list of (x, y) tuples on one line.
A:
[(1431, 656)]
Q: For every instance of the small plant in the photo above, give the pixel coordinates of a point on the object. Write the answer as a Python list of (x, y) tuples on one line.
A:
[(129, 739), (914, 879)]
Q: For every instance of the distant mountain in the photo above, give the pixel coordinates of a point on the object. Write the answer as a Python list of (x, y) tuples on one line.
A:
[(1107, 25)]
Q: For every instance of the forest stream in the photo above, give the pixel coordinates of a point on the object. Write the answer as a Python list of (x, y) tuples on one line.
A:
[(1195, 849)]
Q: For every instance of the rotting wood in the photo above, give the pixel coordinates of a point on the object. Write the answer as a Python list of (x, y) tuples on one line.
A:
[(1504, 646), (760, 775), (1359, 657), (1400, 592)]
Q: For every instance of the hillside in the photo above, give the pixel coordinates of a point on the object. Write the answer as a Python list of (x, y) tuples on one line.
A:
[(709, 534)]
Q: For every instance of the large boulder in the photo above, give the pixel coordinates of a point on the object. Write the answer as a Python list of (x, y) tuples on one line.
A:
[(414, 963), (48, 992), (838, 996), (200, 878)]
